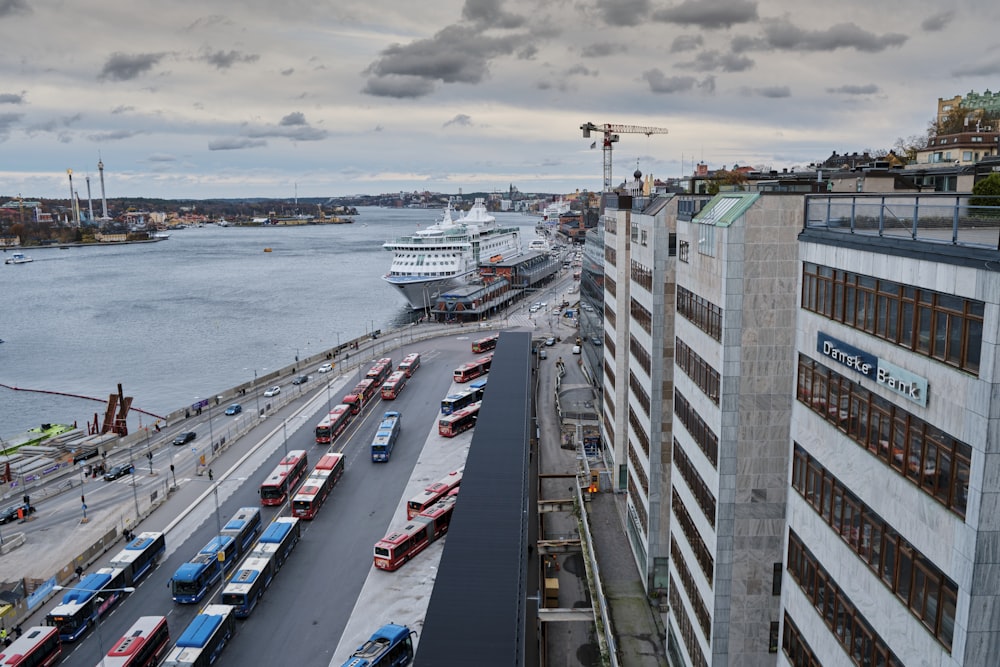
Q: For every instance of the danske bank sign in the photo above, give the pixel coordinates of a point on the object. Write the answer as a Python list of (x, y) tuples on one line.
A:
[(908, 385)]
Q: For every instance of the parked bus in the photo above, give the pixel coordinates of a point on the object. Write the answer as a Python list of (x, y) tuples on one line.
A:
[(39, 645), (394, 385), (380, 370), (360, 395), (243, 527), (433, 493), (248, 584), (474, 369), (393, 550), (333, 424), (485, 344), (317, 486), (278, 540), (410, 363), (203, 640), (390, 646), (386, 436), (458, 422), (86, 603), (286, 476), (460, 399), (192, 579), (142, 645), (140, 556), (480, 387)]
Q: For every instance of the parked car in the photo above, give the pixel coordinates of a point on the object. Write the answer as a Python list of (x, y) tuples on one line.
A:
[(302, 379), (9, 514), (576, 349), (325, 368), (234, 409), (273, 391), (119, 471), (184, 438), (596, 341), (542, 354)]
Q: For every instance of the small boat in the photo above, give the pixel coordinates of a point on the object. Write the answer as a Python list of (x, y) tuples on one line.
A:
[(18, 258), (267, 250)]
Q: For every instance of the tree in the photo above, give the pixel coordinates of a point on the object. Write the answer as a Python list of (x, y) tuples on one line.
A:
[(987, 193)]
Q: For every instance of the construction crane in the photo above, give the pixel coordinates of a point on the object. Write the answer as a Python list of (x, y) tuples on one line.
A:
[(611, 132)]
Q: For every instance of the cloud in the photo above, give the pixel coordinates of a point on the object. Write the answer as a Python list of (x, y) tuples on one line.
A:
[(851, 89), (12, 7), (54, 125), (287, 72), (683, 43), (602, 49), (398, 86), (666, 85), (979, 69), (7, 123), (708, 61), (709, 14), (781, 34), (12, 98), (125, 67), (294, 118), (161, 157), (293, 126), (226, 59), (122, 108), (488, 13), (113, 135), (938, 21), (623, 12), (235, 144), (459, 119), (581, 70), (772, 92)]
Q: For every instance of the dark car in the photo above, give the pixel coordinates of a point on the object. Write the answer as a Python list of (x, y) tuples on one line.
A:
[(9, 514), (302, 379), (234, 409), (184, 438), (119, 471), (596, 341)]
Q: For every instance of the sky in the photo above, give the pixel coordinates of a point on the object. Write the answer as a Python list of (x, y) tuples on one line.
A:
[(317, 98)]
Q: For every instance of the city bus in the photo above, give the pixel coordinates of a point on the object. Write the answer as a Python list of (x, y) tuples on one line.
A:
[(480, 387), (485, 344), (393, 550), (140, 556), (458, 422), (433, 493), (244, 528), (278, 540), (333, 424), (380, 370), (142, 645), (86, 603), (360, 395), (394, 385), (192, 579), (39, 645), (410, 363), (202, 641), (386, 436), (460, 399), (286, 476), (474, 369), (248, 584), (310, 498), (390, 646)]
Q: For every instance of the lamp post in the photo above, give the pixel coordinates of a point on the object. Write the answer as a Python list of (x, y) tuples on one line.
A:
[(284, 434), (99, 600)]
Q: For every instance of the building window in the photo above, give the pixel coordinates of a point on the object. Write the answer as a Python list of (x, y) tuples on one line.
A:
[(639, 391), (701, 552), (706, 238), (691, 588), (685, 628), (641, 316), (795, 647), (696, 368), (683, 251), (701, 492), (701, 312)]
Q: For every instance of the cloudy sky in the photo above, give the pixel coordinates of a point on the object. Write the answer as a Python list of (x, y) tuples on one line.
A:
[(329, 97)]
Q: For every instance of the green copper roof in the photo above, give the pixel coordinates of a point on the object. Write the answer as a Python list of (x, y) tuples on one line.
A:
[(725, 208)]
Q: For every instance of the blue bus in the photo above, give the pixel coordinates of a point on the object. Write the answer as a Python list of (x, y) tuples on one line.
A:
[(278, 540), (386, 436), (202, 641), (480, 387), (248, 584), (243, 527), (390, 646), (457, 401), (140, 556), (84, 605), (192, 580)]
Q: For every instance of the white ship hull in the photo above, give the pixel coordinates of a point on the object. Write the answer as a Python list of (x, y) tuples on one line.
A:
[(422, 292)]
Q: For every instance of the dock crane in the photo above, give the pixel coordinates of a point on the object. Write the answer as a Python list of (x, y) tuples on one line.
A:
[(611, 132)]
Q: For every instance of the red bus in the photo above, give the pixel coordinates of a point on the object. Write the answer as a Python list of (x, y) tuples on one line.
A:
[(360, 395), (286, 476), (39, 645), (394, 385), (317, 486), (143, 645), (457, 422), (474, 369), (485, 344), (433, 493), (399, 546), (410, 363), (380, 370), (333, 424)]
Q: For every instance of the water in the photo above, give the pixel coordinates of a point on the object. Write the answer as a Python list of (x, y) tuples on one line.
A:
[(180, 320)]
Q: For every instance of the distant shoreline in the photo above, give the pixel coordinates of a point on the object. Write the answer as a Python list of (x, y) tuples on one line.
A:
[(75, 244)]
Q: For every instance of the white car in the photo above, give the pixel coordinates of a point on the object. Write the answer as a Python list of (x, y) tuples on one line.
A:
[(576, 349), (325, 368), (273, 391)]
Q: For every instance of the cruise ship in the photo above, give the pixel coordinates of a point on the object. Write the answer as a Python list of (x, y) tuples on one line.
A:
[(447, 254)]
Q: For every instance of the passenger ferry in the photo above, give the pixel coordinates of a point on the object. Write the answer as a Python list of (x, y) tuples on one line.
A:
[(447, 254)]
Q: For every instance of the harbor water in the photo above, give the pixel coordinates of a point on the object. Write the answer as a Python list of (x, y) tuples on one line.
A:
[(176, 321)]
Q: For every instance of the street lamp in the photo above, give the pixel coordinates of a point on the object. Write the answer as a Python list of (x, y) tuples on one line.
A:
[(99, 600)]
